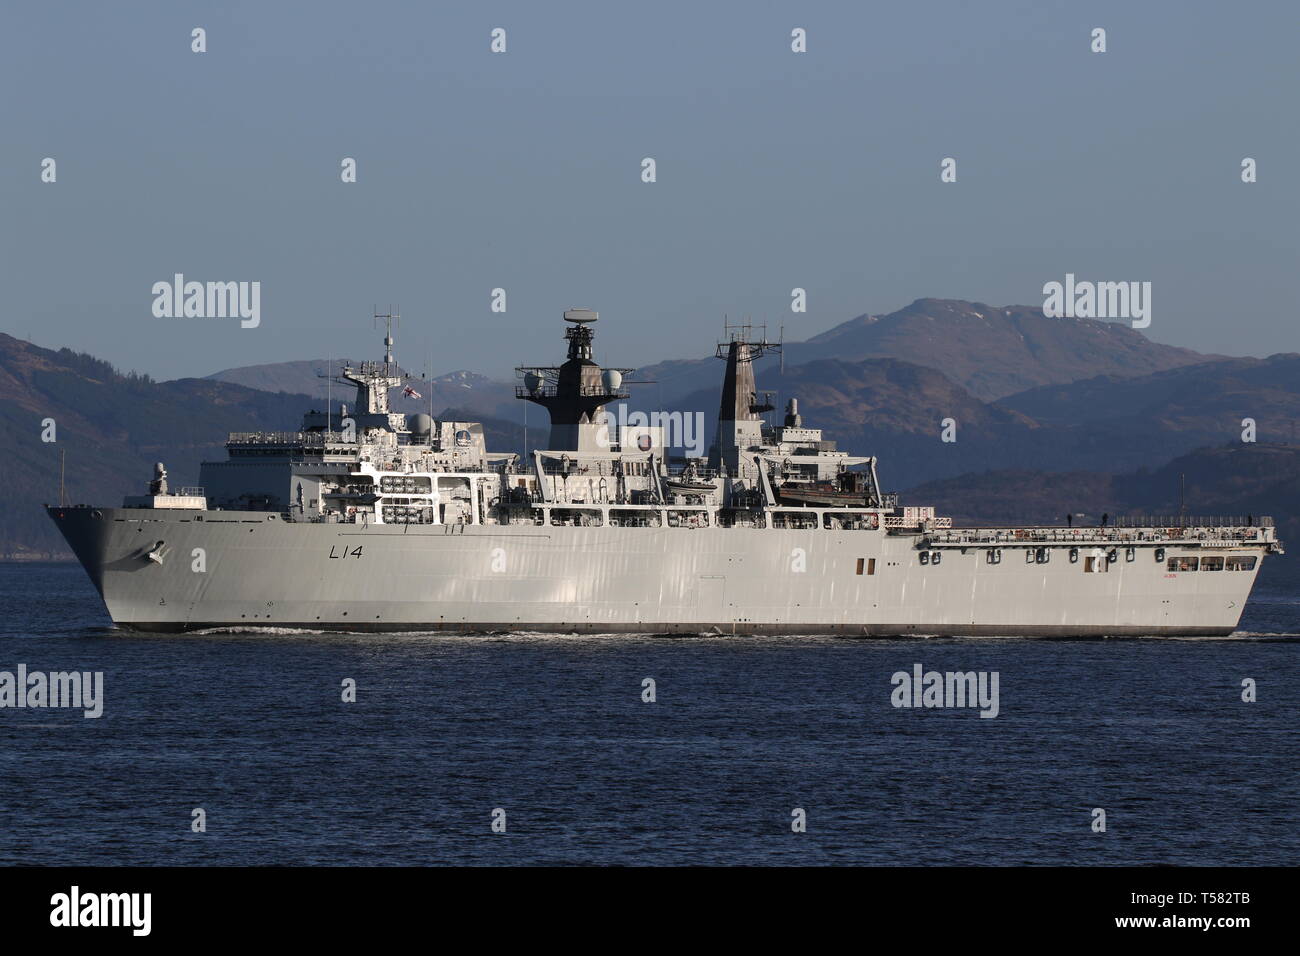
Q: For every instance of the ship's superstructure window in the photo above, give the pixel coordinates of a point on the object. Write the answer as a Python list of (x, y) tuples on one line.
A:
[(1182, 562), (1241, 562), (925, 557), (1212, 562)]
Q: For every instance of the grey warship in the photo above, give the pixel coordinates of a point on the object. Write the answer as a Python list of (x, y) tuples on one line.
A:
[(375, 521)]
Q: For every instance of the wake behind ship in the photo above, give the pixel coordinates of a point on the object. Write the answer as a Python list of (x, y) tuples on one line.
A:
[(392, 522)]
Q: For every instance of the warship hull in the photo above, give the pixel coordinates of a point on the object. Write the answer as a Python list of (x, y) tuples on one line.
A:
[(181, 570)]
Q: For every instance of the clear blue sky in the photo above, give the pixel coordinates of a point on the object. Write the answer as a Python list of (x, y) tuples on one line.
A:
[(522, 170)]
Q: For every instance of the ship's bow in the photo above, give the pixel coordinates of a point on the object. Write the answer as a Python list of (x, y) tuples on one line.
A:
[(87, 531)]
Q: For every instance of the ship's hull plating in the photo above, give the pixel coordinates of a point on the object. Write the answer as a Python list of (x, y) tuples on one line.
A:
[(250, 569)]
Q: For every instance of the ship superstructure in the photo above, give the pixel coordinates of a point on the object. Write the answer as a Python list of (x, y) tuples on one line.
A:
[(369, 520)]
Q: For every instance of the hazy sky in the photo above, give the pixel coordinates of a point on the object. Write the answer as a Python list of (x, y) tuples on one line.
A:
[(522, 170)]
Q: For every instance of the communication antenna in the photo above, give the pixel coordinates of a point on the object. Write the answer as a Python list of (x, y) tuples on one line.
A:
[(63, 458), (391, 317)]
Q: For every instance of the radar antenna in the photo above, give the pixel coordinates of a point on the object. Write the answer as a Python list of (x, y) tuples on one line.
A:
[(390, 317)]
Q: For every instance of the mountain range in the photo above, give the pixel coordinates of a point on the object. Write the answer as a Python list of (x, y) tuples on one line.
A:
[(990, 351), (1085, 406)]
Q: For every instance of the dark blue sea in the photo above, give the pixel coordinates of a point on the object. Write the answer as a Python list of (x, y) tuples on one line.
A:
[(553, 730)]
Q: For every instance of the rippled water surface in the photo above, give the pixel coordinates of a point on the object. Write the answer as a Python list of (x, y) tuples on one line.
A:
[(553, 730)]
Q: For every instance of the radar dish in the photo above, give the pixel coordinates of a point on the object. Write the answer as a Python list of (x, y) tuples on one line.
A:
[(581, 315)]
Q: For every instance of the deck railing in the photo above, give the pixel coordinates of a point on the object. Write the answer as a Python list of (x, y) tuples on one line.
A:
[(312, 439), (1109, 535), (1193, 521)]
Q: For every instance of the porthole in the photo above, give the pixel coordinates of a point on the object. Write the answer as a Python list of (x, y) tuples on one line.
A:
[(1112, 556)]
